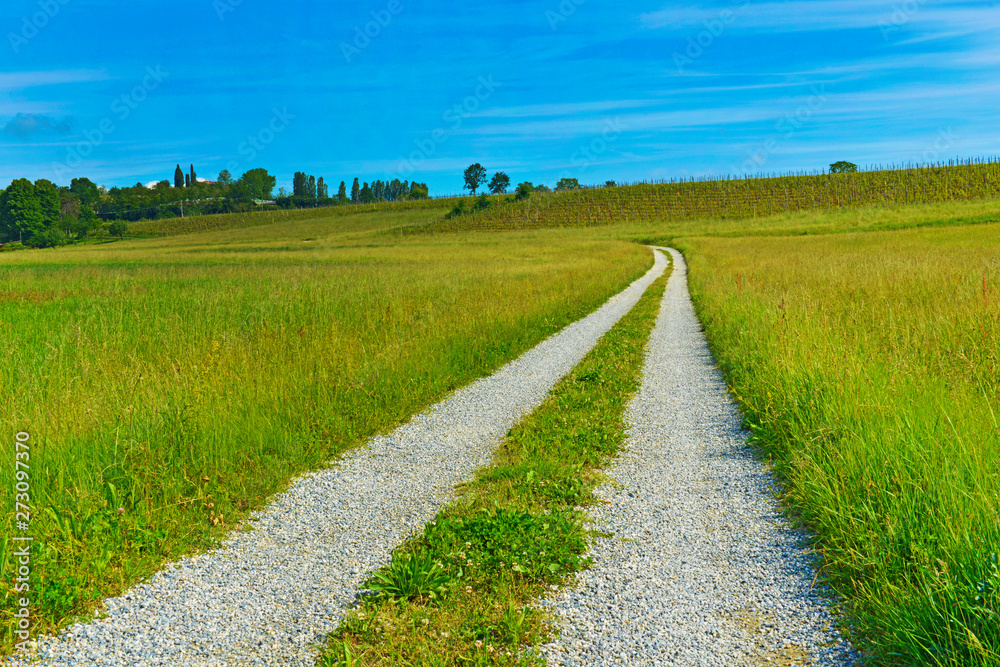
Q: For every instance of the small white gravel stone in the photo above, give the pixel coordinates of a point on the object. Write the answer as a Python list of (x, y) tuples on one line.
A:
[(701, 569), (270, 596)]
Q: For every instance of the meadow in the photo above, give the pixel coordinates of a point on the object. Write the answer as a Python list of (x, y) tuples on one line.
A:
[(171, 385)]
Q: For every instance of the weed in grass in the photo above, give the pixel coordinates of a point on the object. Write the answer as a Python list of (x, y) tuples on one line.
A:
[(412, 576)]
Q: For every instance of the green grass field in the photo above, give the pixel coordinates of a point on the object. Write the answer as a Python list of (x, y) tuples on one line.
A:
[(186, 379)]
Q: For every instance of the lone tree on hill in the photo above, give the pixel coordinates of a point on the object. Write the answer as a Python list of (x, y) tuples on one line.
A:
[(475, 177), (843, 167), (178, 177), (499, 183)]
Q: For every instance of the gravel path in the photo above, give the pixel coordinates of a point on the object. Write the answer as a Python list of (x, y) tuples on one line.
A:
[(268, 596), (702, 569)]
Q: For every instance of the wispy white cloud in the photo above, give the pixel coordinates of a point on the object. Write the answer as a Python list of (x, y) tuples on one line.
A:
[(16, 81), (574, 109), (807, 15)]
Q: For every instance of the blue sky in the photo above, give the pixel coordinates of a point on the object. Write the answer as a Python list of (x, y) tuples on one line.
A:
[(540, 89)]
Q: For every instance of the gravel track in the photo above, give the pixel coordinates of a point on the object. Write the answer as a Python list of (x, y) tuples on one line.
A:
[(701, 569), (270, 595)]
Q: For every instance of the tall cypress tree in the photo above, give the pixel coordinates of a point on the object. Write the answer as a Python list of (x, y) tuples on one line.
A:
[(311, 188), (321, 191), (342, 193), (194, 176), (178, 177), (299, 184), (355, 191), (187, 180)]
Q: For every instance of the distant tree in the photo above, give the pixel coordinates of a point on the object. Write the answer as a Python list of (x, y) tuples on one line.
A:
[(225, 178), (523, 190), (567, 184), (541, 187), (85, 190), (843, 167), (48, 200), (475, 177), (47, 238), (418, 191), (194, 176), (610, 184), (398, 189), (254, 184), (299, 183), (282, 193), (88, 221), (355, 191), (322, 191), (69, 203), (178, 177), (342, 193), (378, 191), (366, 196), (187, 180), (499, 183), (118, 228), (20, 211), (311, 187)]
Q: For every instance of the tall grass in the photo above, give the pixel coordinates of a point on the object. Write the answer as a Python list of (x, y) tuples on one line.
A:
[(867, 366), (171, 385)]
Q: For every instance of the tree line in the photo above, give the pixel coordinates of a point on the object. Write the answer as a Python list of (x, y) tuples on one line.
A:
[(42, 214), (309, 191)]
